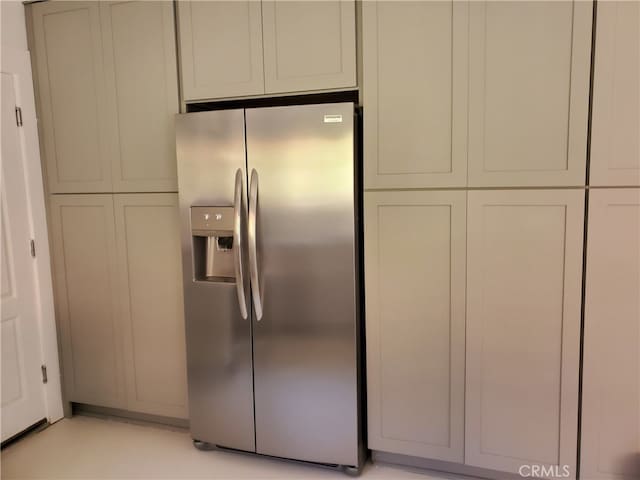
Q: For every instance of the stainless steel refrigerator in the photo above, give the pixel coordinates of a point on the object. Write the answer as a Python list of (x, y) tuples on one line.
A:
[(269, 248)]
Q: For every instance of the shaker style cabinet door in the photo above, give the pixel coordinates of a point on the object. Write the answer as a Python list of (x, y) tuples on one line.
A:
[(415, 94), (309, 45), (84, 254), (615, 141), (529, 65), (142, 92), (220, 48), (150, 289), (415, 303), (71, 91), (611, 361), (524, 277)]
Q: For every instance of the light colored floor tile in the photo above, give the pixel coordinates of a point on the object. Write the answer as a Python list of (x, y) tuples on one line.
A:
[(97, 448)]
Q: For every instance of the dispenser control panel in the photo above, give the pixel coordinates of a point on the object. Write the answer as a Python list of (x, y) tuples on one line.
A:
[(211, 219)]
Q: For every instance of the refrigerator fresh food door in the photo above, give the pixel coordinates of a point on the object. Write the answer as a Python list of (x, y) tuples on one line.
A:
[(212, 180), (302, 265)]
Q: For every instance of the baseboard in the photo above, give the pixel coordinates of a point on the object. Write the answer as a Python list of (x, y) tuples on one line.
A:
[(397, 459), (129, 416)]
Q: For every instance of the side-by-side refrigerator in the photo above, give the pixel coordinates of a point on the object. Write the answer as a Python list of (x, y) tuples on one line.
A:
[(269, 248)]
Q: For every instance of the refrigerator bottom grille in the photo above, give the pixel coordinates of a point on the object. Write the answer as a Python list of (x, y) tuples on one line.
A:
[(348, 469)]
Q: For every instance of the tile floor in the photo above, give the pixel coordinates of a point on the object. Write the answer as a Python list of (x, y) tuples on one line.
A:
[(99, 448)]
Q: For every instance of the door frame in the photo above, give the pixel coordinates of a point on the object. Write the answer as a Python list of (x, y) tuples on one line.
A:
[(18, 64)]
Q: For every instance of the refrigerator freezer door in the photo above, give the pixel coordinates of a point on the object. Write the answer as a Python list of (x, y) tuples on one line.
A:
[(305, 352), (210, 150)]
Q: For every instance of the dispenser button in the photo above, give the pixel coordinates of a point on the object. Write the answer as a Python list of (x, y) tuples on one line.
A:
[(218, 216)]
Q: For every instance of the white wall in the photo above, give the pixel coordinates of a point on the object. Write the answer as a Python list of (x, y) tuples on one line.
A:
[(13, 32)]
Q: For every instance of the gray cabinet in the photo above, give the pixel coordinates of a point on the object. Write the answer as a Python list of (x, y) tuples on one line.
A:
[(415, 94), (107, 88), (119, 301), (309, 45), (480, 94), (108, 94), (415, 304), (490, 278), (615, 143), (529, 66), (611, 369), (475, 94), (86, 287), (141, 77), (152, 309), (220, 49), (524, 280), (77, 154), (235, 49)]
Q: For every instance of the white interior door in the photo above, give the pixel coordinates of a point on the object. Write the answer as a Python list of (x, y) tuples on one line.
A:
[(23, 402)]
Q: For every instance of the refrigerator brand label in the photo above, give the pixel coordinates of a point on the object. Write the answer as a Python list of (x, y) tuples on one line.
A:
[(333, 119)]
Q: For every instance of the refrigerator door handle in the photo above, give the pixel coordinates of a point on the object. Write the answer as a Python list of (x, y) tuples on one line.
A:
[(237, 245), (256, 292)]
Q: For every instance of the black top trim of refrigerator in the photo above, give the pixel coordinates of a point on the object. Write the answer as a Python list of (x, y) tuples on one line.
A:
[(305, 99)]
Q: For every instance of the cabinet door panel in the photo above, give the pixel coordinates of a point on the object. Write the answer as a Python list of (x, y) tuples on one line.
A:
[(309, 45), (85, 272), (528, 92), (220, 49), (523, 327), (611, 368), (415, 94), (615, 141), (70, 80), (147, 231), (415, 281), (142, 87)]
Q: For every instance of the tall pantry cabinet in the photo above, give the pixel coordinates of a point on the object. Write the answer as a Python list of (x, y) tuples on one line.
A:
[(610, 439), (473, 285), (107, 95)]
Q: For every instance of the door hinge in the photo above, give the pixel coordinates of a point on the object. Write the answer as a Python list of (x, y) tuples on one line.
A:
[(19, 116), (32, 247), (44, 373)]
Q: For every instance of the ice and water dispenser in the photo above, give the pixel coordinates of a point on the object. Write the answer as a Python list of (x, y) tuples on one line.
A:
[(217, 240), (212, 234)]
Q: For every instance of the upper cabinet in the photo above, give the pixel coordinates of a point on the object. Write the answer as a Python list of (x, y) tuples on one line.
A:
[(234, 49), (220, 49), (138, 39), (475, 94), (529, 65), (415, 93), (107, 83), (615, 142), (71, 87), (309, 45)]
